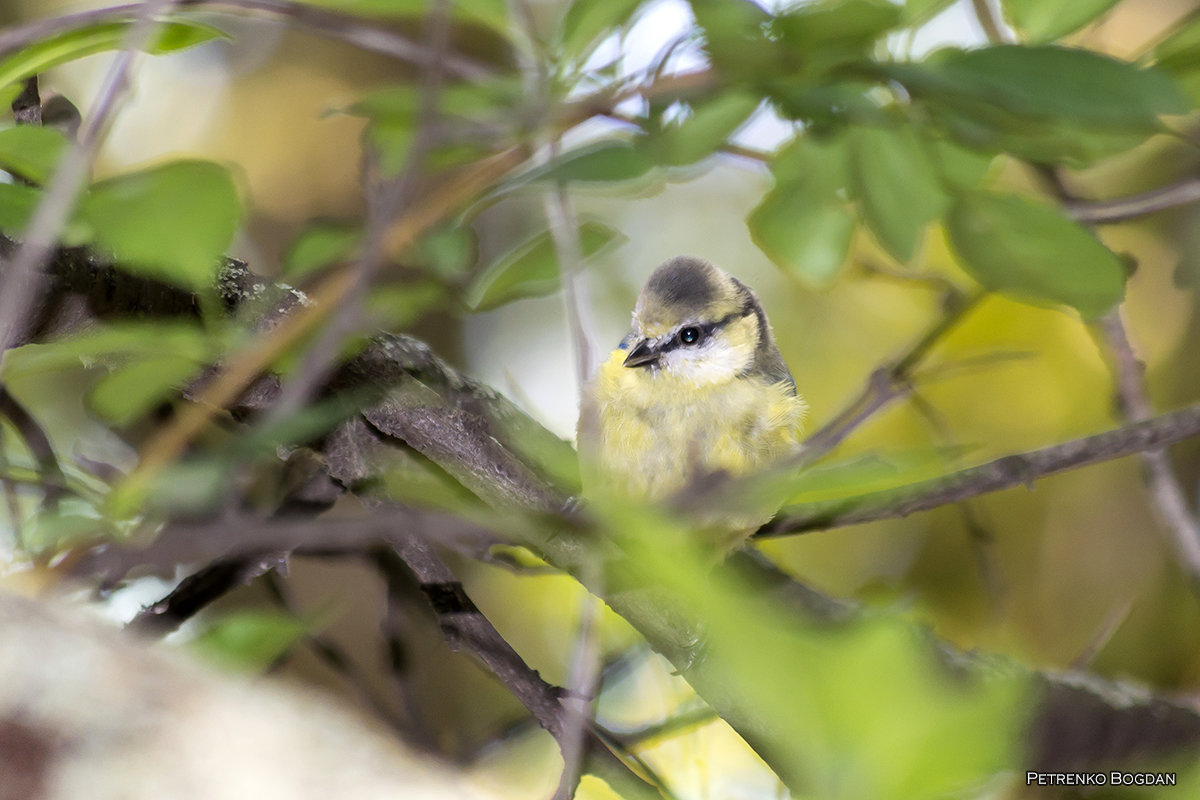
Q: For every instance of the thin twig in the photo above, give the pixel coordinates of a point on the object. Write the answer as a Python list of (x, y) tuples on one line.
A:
[(564, 232), (583, 683), (1170, 504), (1003, 473), (363, 33), (886, 383), (682, 722), (989, 21), (464, 626), (1111, 624), (38, 444), (1122, 209), (384, 203), (22, 281), (337, 659)]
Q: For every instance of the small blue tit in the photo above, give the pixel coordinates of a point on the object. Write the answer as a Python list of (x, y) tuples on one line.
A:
[(697, 387)]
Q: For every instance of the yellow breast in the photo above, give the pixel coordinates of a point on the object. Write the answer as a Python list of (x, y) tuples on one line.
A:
[(652, 432)]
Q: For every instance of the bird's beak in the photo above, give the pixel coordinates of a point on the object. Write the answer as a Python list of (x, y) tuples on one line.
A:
[(642, 355)]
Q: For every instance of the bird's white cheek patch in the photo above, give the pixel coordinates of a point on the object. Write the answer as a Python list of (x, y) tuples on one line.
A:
[(713, 364)]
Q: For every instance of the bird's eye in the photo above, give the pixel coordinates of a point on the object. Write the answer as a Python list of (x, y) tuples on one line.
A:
[(689, 335)]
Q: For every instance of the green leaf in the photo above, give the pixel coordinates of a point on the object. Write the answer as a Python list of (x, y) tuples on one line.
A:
[(1045, 83), (491, 13), (172, 222), (603, 162), (17, 204), (61, 48), (1179, 55), (808, 240), (803, 224), (896, 182), (1013, 245), (961, 168), (1046, 20), (115, 341), (871, 473), (449, 251), (532, 268), (809, 690), (252, 639), (850, 25), (322, 244), (734, 35), (1040, 141), (31, 151), (398, 307), (587, 23), (709, 126), (130, 392)]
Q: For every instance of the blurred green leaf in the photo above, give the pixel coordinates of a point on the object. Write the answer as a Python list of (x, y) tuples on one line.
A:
[(192, 486), (319, 246), (871, 473), (396, 111), (391, 143), (833, 31), (491, 13), (1045, 20), (252, 639), (1179, 55), (803, 224), (396, 307), (61, 48), (1072, 143), (734, 35), (449, 251), (120, 341), (708, 127), (31, 151), (131, 391), (809, 693), (531, 269), (17, 204), (1011, 244), (961, 168), (601, 162), (808, 239), (72, 522), (408, 477), (172, 222), (476, 100), (896, 182), (1046, 83), (587, 23)]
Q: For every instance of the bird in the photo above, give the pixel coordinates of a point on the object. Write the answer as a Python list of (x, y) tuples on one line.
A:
[(698, 388)]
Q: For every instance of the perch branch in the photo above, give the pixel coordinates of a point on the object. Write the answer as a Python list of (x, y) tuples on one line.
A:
[(1003, 473)]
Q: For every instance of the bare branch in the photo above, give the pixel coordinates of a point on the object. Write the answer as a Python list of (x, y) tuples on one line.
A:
[(363, 33), (1121, 209), (887, 382), (1003, 473), (989, 20), (1169, 501)]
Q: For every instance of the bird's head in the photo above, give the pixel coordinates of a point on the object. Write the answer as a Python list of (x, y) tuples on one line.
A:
[(696, 322)]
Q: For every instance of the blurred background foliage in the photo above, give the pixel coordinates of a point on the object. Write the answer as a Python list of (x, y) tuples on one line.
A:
[(854, 161)]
